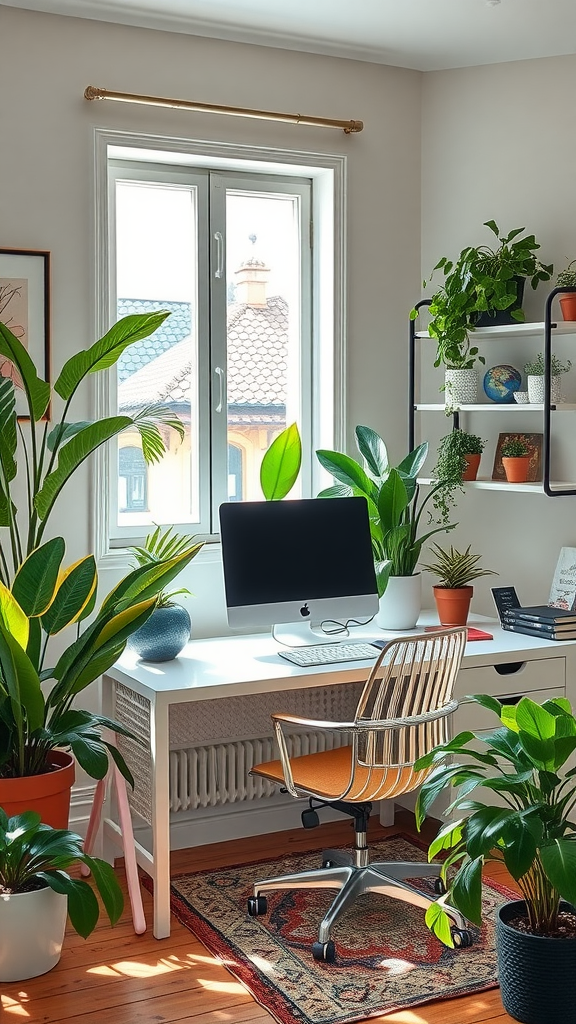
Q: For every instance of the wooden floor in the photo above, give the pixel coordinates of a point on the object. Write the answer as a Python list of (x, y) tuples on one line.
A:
[(117, 977)]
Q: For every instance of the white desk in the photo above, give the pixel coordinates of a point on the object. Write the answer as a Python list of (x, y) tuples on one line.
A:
[(240, 666)]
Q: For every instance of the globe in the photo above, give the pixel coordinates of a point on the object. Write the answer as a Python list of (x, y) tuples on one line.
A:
[(500, 383)]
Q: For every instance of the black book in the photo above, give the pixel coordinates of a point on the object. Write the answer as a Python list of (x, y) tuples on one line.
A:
[(551, 627), (541, 613), (542, 634)]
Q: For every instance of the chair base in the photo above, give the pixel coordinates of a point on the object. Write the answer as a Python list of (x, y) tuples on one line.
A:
[(340, 872)]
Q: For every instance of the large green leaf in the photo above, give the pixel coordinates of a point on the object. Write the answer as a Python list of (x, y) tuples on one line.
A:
[(73, 454), (413, 462), (439, 923), (392, 501), (22, 683), (281, 464), (8, 435), (37, 390), (105, 352), (559, 862), (13, 617), (147, 580), (373, 450), (63, 432), (107, 885), (520, 850), (466, 890), (485, 827), (36, 579), (347, 471), (532, 719), (147, 422), (76, 587)]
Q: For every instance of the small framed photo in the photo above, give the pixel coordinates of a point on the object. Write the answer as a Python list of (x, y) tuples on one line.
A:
[(25, 310), (534, 442)]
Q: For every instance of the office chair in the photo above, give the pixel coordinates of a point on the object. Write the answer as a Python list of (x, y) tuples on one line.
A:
[(403, 712)]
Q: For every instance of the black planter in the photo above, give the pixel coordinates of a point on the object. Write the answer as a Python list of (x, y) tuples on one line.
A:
[(536, 974), (501, 317), (164, 634)]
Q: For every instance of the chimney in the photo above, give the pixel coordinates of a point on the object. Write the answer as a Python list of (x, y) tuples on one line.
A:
[(251, 281)]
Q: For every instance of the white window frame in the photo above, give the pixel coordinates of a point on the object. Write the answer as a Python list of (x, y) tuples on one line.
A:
[(328, 267)]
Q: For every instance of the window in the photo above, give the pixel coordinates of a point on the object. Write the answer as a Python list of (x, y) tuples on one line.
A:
[(246, 348)]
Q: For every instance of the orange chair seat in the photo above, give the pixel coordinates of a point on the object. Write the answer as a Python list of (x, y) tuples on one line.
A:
[(328, 773)]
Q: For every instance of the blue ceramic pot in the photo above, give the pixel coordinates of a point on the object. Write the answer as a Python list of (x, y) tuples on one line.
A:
[(164, 634)]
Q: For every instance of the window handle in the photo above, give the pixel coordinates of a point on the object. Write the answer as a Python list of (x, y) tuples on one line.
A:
[(219, 372), (219, 254)]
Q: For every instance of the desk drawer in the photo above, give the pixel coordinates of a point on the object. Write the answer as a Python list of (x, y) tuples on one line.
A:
[(513, 678), (474, 717)]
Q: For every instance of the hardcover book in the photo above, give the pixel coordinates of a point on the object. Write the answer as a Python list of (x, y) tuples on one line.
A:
[(563, 589), (542, 613), (567, 634), (545, 627)]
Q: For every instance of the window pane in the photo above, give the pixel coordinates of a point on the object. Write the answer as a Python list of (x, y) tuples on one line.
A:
[(263, 329), (156, 267)]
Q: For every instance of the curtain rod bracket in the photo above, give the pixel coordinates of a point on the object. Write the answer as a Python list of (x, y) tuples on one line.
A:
[(93, 92)]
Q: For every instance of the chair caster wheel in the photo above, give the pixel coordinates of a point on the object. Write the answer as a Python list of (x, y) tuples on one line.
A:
[(461, 937), (310, 818), (328, 864), (439, 887), (325, 952), (257, 905)]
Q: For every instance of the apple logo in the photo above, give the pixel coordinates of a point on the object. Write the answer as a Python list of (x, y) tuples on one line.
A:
[(305, 611)]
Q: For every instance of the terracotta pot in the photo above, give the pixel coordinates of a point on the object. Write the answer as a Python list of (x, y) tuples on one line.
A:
[(49, 794), (516, 469), (568, 306), (472, 464), (453, 605)]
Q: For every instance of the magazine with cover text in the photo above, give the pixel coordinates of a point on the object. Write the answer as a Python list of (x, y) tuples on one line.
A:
[(563, 589)]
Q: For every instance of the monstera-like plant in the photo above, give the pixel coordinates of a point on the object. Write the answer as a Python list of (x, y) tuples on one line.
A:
[(41, 596)]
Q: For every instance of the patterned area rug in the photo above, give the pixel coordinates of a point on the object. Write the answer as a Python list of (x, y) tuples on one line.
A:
[(386, 958)]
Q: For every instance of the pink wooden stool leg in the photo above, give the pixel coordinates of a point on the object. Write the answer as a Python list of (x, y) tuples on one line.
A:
[(134, 890), (95, 815)]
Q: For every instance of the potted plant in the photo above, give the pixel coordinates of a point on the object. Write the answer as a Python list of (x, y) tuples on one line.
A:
[(515, 459), (526, 760), (567, 279), (37, 894), (395, 512), (483, 287), (534, 370), (458, 460), (40, 597), (455, 571), (167, 630)]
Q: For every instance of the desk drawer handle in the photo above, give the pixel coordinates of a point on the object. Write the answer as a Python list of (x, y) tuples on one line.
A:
[(509, 667), (512, 700)]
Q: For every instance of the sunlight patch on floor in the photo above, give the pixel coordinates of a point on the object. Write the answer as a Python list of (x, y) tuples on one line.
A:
[(393, 966), (133, 969), (231, 987), (15, 1007)]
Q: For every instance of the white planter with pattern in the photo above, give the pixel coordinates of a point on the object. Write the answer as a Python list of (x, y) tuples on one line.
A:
[(536, 389), (461, 387)]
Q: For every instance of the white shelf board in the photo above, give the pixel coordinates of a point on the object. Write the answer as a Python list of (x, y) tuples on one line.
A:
[(486, 484), (515, 330), (496, 407)]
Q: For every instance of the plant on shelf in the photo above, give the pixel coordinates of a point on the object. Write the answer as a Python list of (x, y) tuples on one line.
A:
[(166, 632), (455, 571), (481, 280), (515, 448), (394, 506), (534, 370), (526, 759), (567, 277), (458, 459), (535, 367), (516, 454), (37, 893), (39, 596)]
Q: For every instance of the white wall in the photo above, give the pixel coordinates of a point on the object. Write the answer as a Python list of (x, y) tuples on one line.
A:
[(496, 144), (46, 199)]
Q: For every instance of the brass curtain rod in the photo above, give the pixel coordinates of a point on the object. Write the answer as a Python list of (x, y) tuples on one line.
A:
[(92, 92)]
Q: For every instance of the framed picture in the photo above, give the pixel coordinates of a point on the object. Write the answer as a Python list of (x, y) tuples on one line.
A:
[(534, 442), (25, 310)]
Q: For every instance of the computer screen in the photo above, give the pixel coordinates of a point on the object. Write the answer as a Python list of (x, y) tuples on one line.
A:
[(297, 561)]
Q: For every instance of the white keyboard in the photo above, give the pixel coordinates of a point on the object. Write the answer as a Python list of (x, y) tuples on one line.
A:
[(330, 654)]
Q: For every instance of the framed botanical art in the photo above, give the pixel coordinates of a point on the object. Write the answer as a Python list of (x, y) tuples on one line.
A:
[(534, 442), (25, 310)]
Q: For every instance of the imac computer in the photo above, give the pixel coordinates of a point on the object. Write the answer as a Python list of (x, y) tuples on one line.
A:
[(297, 562)]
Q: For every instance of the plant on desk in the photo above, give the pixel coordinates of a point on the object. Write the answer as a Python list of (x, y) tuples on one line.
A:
[(526, 761), (37, 894), (40, 597), (455, 571), (395, 512)]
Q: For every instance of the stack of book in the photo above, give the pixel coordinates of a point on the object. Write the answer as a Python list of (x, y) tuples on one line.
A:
[(541, 620)]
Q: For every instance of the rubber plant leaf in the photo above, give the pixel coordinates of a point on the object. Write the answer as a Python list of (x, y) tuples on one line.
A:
[(281, 464), (36, 580), (105, 352), (37, 390), (76, 587)]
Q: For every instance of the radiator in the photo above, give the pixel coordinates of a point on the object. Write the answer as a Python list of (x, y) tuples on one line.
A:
[(219, 774)]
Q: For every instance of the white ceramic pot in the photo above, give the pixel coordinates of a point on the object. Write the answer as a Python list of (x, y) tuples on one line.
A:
[(32, 926), (461, 387), (400, 603), (536, 389)]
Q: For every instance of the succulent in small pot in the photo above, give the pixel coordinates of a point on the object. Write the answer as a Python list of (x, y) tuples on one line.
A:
[(167, 631), (458, 459), (37, 894), (567, 279), (515, 454), (526, 760), (455, 571), (534, 370)]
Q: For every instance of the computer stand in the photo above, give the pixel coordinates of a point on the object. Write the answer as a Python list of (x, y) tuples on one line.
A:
[(303, 634)]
